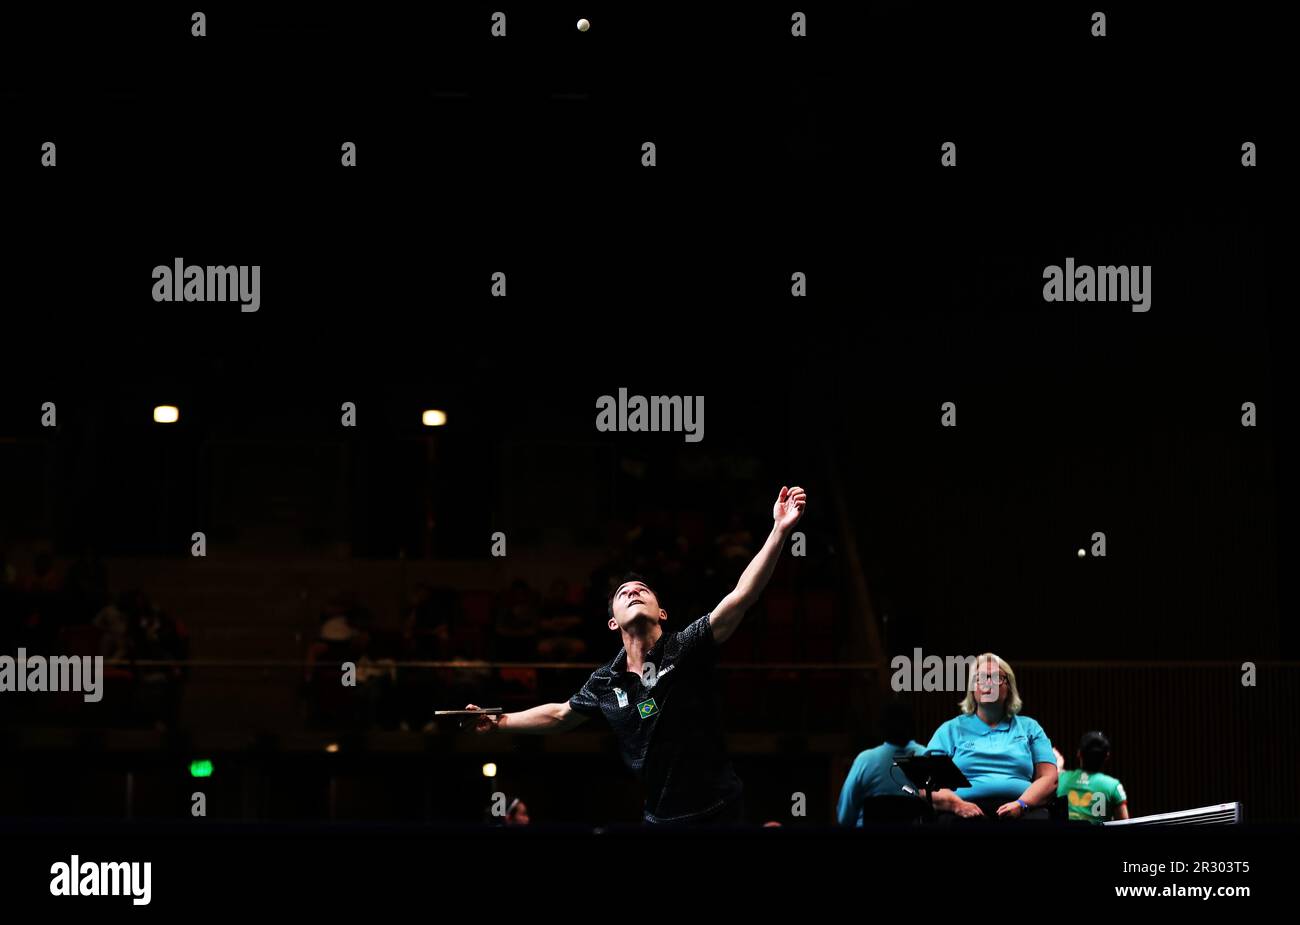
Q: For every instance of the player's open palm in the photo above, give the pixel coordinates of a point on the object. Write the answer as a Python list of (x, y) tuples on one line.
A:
[(789, 507)]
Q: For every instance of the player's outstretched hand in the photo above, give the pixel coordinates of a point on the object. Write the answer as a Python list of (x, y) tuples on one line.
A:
[(789, 507), (480, 724)]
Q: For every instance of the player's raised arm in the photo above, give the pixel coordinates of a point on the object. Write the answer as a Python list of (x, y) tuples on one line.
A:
[(549, 717), (726, 617)]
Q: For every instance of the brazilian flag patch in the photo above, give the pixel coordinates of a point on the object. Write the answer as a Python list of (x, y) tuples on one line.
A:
[(647, 708)]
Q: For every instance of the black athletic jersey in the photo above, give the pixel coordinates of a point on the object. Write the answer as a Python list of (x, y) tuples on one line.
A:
[(667, 724)]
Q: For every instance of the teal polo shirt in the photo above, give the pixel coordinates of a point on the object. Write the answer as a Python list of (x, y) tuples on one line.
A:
[(871, 776), (997, 760)]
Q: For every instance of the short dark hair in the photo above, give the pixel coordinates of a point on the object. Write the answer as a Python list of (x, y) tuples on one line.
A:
[(1094, 747), (630, 576), (1094, 759), (896, 724)]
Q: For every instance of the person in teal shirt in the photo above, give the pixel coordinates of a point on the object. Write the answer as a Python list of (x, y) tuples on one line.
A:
[(1006, 756), (873, 774), (1091, 795)]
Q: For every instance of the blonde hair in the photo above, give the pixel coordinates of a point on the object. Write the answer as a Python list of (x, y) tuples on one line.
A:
[(1013, 702)]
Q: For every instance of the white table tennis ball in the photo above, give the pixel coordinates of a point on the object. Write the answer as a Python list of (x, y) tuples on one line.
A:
[(583, 25)]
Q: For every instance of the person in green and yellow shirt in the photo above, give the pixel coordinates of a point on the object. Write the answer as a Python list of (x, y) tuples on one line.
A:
[(1091, 795)]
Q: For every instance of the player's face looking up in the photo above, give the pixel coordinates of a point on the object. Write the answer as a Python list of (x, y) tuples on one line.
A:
[(634, 601), (990, 684)]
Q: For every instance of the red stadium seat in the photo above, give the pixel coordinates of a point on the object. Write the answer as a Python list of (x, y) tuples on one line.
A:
[(522, 679), (518, 687), (477, 607)]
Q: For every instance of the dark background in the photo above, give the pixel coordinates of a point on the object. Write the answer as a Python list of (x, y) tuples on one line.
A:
[(775, 155)]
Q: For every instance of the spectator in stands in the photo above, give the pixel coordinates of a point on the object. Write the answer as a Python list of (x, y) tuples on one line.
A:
[(517, 813), (38, 605), (114, 624), (337, 641), (1005, 755), (873, 773), (426, 636), (358, 614), (1091, 795), (426, 630), (157, 636)]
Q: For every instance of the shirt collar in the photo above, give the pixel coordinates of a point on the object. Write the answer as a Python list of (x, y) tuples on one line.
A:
[(619, 664), (975, 724)]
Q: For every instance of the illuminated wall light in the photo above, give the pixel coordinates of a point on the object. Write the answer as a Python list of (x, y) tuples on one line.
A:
[(434, 418), (166, 414), (489, 770), (332, 748), (201, 768)]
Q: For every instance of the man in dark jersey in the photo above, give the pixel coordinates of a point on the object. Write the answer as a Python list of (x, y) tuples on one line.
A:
[(657, 692)]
